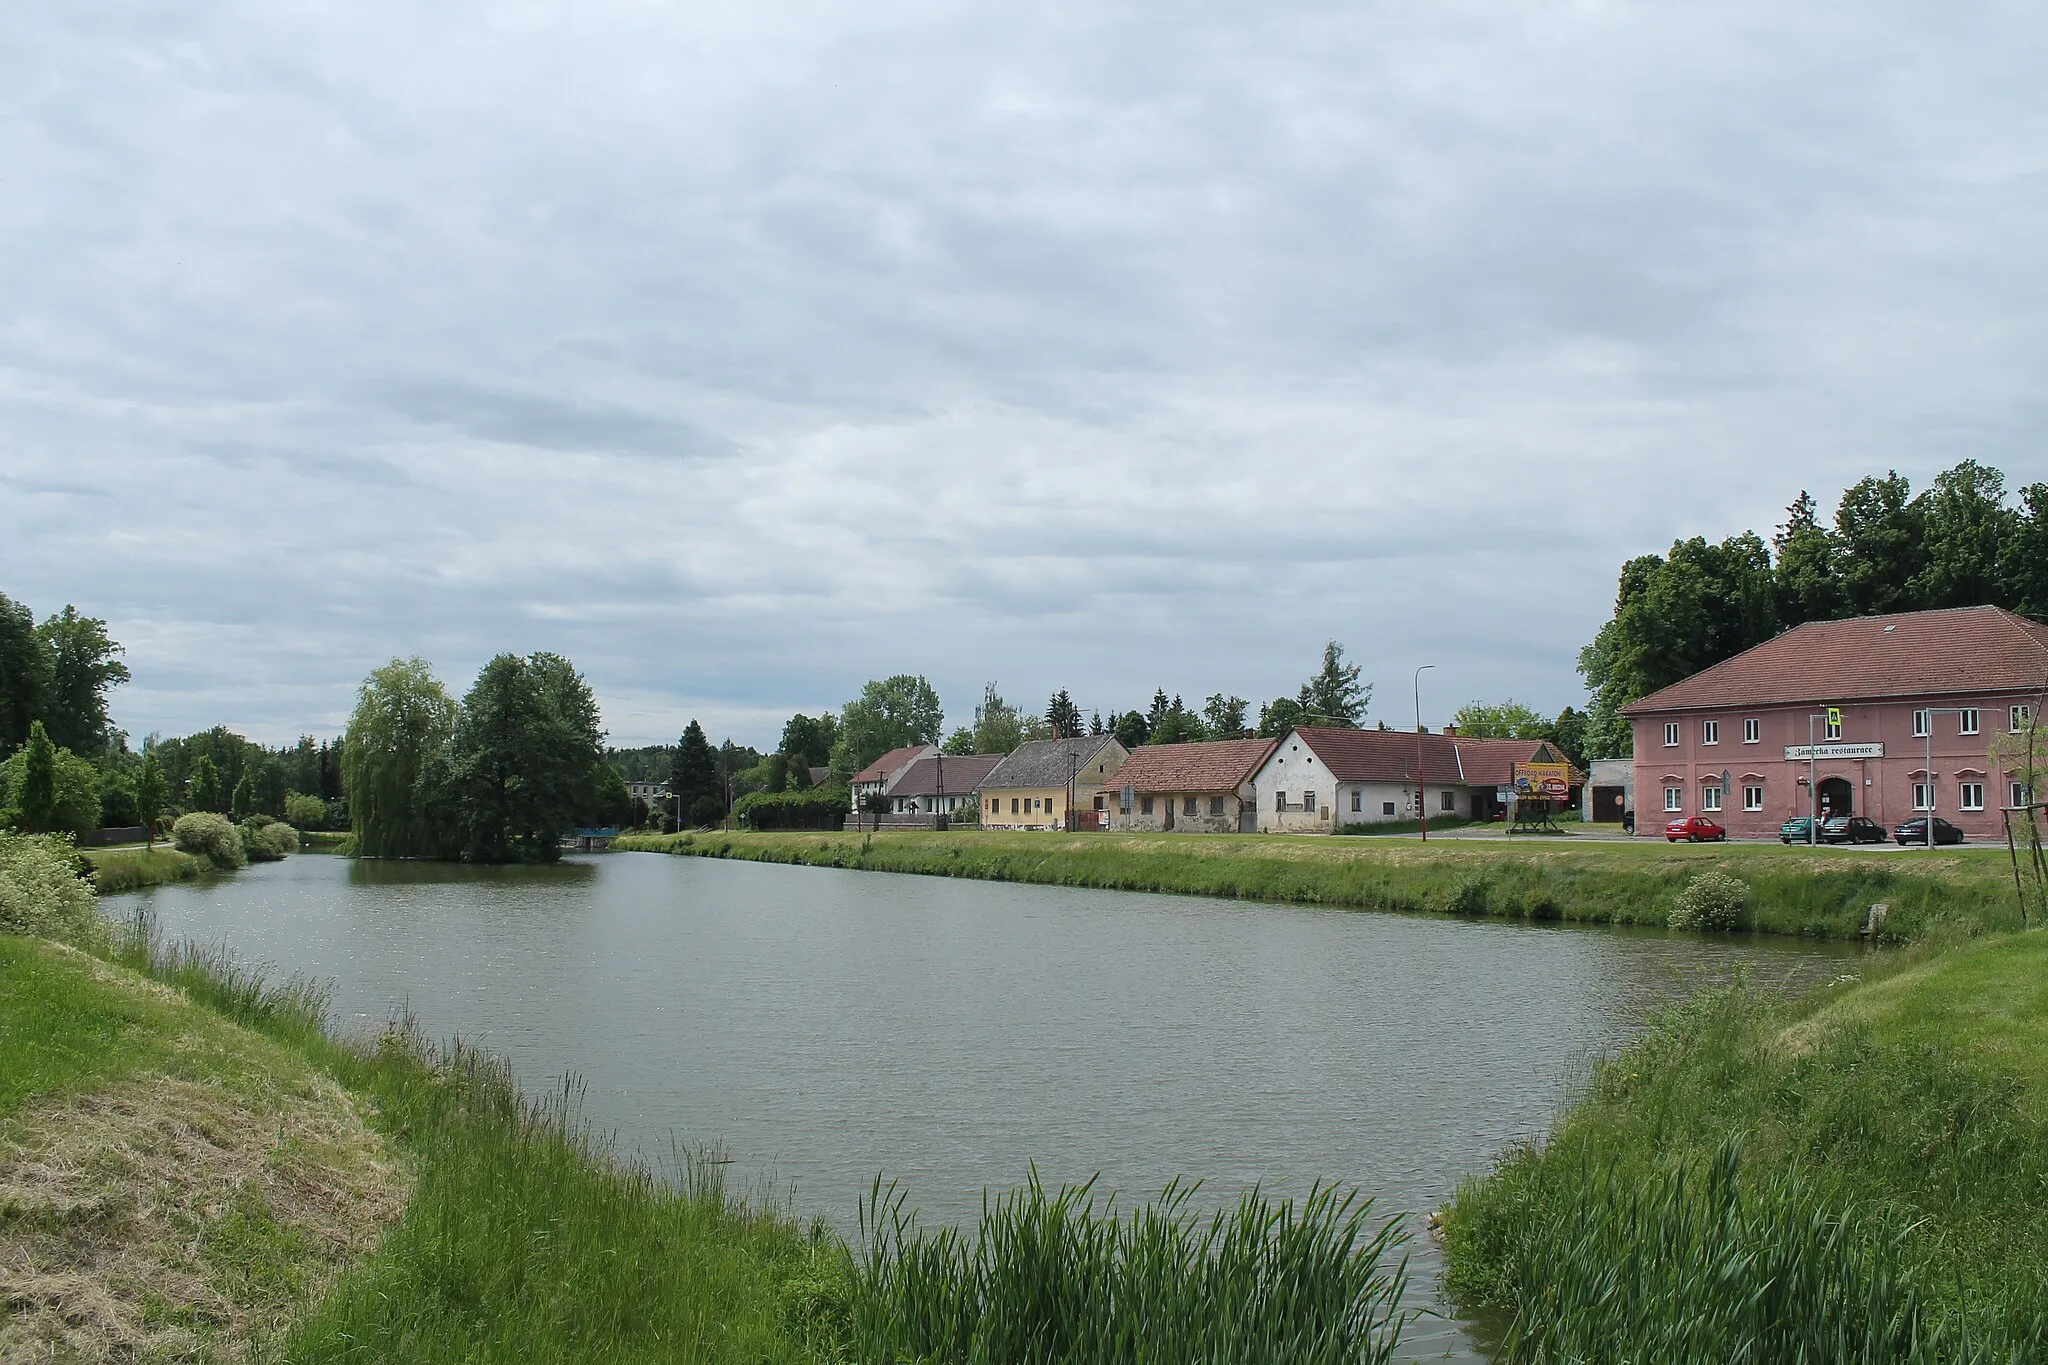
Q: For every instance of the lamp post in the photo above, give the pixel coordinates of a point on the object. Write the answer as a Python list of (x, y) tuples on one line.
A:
[(1421, 791)]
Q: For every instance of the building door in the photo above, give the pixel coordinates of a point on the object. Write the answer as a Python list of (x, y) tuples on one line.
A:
[(1169, 814), (1837, 797)]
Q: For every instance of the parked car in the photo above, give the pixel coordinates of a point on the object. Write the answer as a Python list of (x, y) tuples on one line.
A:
[(1914, 832), (1695, 829), (1797, 830), (1851, 829)]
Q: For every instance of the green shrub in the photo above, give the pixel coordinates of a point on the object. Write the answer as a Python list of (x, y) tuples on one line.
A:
[(1713, 901), (1469, 896), (42, 894), (706, 811), (819, 808), (267, 840), (305, 812), (205, 834)]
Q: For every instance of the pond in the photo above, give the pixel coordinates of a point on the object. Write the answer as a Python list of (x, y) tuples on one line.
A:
[(826, 1026)]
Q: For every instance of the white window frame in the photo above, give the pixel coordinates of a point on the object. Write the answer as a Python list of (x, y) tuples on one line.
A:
[(1674, 800), (1671, 734), (2020, 717), (1923, 721), (1449, 804), (1923, 796), (1833, 728), (1710, 732), (1752, 731), (1752, 798), (1971, 796), (2020, 795), (1710, 800), (1966, 721)]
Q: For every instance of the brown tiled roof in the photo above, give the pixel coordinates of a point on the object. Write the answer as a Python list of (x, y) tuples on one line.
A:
[(1915, 653), (883, 768), (1217, 766), (961, 774), (1390, 756)]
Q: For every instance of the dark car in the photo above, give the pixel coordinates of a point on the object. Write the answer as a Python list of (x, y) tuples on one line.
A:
[(1851, 829), (1694, 830), (1797, 830), (1914, 832)]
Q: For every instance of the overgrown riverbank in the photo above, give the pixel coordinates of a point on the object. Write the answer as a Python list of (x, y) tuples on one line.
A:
[(1823, 892), (1858, 1175), (131, 869)]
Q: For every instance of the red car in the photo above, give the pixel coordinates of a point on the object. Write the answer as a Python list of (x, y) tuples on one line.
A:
[(1695, 829)]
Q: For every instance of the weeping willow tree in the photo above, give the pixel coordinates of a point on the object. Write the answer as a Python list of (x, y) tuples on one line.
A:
[(402, 722)]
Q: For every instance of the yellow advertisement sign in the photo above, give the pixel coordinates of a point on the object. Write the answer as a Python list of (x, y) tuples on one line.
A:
[(1543, 781)]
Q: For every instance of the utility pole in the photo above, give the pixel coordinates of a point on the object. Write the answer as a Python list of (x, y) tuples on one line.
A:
[(1421, 791)]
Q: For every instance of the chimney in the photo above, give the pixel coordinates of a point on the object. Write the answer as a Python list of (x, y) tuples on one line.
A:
[(1451, 730)]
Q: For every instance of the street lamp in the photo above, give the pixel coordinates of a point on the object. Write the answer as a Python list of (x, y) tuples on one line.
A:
[(1421, 792)]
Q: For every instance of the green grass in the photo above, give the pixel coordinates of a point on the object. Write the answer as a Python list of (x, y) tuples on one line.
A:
[(1825, 892), (1894, 1154), (130, 869), (60, 1029)]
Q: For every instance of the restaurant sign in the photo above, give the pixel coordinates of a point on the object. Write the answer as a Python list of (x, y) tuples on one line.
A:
[(1802, 752)]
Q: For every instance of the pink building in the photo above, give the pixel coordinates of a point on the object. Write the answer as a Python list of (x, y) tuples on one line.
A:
[(1731, 742)]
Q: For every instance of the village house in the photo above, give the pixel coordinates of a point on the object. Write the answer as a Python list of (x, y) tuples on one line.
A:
[(871, 780), (1037, 785), (1196, 788), (1922, 697), (1320, 778), (938, 784)]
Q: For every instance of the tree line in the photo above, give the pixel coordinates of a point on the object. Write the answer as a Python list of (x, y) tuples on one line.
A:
[(1960, 542)]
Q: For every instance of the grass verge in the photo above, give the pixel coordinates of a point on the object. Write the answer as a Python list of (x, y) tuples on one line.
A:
[(1858, 1175), (1823, 892), (131, 869)]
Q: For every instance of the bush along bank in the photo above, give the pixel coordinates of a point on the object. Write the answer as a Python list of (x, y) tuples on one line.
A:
[(1823, 893), (1852, 1177)]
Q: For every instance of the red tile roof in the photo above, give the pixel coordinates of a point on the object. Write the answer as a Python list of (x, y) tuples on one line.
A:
[(1216, 766), (1390, 756), (961, 774), (1915, 653), (883, 768)]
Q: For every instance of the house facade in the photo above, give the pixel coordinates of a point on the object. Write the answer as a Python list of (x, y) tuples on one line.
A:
[(1921, 699), (1044, 779), (1203, 788), (938, 784), (876, 777), (1319, 779)]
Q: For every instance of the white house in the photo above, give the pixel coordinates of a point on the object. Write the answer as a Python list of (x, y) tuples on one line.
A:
[(1318, 779)]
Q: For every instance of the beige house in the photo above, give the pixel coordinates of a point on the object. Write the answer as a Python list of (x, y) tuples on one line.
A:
[(1046, 781)]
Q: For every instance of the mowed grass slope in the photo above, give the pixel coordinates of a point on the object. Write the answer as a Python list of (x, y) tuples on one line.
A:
[(1883, 1143), (1823, 892)]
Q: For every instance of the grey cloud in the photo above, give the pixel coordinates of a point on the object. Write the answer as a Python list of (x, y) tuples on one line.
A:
[(551, 423)]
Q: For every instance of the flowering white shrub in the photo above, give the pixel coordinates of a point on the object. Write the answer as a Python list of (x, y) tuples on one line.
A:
[(1713, 901), (41, 893)]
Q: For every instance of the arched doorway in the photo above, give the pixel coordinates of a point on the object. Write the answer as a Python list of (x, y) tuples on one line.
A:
[(1837, 797)]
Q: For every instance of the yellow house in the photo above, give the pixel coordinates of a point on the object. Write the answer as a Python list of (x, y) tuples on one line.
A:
[(1047, 781)]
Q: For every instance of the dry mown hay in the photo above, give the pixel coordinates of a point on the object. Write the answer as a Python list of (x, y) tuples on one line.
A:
[(161, 1217)]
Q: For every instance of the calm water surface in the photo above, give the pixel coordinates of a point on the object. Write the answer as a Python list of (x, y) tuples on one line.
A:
[(824, 1026)]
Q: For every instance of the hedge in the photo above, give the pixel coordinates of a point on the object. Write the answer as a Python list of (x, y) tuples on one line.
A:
[(818, 808)]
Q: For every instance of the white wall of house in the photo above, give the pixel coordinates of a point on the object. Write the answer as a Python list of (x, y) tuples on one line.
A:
[(1297, 795)]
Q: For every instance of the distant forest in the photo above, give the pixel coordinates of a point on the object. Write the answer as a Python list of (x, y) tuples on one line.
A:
[(1962, 542)]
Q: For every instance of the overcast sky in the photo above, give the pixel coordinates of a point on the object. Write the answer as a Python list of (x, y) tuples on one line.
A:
[(744, 352)]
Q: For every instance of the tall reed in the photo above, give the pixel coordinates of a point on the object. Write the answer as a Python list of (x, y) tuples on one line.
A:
[(1061, 1276)]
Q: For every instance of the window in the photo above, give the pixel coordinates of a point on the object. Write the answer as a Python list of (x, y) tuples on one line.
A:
[(1671, 734), (1215, 805), (1279, 800), (1923, 721), (1710, 799), (1358, 802), (1144, 805), (1752, 731), (1966, 723), (1752, 798), (2021, 715), (1450, 801), (1710, 732), (2020, 794), (1187, 805), (1674, 798), (1834, 728), (1386, 808), (1013, 805), (1923, 796), (1973, 796), (1308, 802)]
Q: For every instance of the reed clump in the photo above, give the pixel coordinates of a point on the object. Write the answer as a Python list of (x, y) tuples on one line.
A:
[(1061, 1276)]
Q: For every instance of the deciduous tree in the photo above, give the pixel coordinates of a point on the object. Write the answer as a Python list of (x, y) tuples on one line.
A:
[(523, 756), (149, 796), (203, 791), (401, 724), (83, 669), (888, 714), (24, 674)]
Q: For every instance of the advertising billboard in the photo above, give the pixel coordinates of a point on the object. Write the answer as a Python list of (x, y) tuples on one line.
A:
[(1543, 781)]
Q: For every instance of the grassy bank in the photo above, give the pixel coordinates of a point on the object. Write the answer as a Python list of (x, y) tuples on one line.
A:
[(1854, 1176), (1823, 892), (131, 869)]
